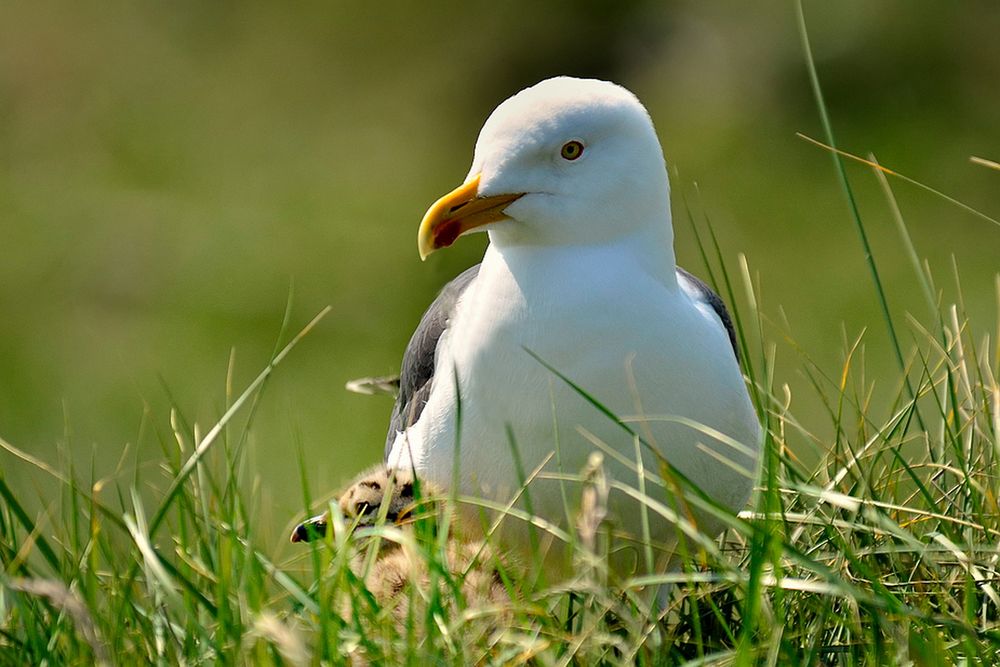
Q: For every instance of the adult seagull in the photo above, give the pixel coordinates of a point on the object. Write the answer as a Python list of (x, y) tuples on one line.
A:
[(579, 286)]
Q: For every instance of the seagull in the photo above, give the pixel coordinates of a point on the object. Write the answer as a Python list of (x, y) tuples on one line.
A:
[(578, 300)]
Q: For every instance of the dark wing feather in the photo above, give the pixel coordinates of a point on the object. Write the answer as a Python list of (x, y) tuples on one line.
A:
[(707, 295), (418, 360)]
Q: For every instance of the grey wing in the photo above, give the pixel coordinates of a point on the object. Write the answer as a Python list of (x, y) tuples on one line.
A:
[(417, 370), (702, 292)]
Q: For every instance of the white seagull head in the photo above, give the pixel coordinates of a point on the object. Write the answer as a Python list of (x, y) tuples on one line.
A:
[(565, 162)]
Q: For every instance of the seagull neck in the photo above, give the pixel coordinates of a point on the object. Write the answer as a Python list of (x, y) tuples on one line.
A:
[(649, 250)]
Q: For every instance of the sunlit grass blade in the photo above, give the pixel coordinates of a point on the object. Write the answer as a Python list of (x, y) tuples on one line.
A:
[(214, 432), (852, 203)]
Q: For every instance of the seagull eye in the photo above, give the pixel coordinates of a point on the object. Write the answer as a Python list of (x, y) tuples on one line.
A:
[(571, 150)]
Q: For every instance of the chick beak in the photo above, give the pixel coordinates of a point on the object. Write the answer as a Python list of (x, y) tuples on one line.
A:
[(310, 529)]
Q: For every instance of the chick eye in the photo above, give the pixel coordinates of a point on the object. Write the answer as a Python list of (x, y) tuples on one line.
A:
[(571, 150)]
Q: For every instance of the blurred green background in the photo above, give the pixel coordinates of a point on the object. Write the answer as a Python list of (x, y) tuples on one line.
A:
[(167, 170)]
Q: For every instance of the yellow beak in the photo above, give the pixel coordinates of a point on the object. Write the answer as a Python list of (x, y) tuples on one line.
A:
[(457, 212)]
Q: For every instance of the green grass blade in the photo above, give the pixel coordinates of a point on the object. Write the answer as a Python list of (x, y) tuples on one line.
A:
[(213, 433), (852, 203)]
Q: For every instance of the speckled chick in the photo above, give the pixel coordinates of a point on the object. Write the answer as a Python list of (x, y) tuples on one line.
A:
[(473, 563)]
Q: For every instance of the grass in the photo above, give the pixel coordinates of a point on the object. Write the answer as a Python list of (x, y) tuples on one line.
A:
[(872, 539), (882, 552)]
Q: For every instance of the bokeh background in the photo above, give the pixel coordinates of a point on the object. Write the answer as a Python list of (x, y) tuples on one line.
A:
[(169, 170)]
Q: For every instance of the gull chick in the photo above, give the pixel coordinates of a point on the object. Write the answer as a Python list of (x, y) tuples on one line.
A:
[(474, 564)]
